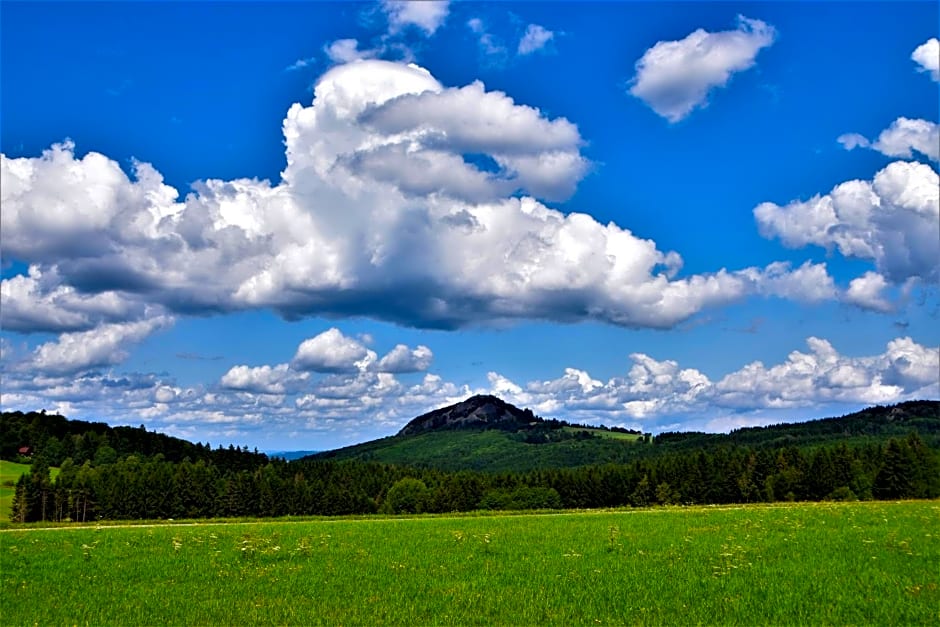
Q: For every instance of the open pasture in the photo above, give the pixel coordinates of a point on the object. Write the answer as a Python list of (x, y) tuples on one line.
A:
[(861, 563)]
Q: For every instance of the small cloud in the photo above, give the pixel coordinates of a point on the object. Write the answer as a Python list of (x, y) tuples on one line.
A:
[(300, 64), (675, 77), (347, 50), (536, 38), (851, 141), (197, 357), (902, 139), (427, 16), (927, 56), (494, 51), (866, 292)]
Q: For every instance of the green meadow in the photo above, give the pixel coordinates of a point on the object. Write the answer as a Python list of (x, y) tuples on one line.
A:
[(820, 563)]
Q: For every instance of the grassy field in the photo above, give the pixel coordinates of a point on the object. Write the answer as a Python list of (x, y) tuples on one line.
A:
[(601, 433), (862, 563)]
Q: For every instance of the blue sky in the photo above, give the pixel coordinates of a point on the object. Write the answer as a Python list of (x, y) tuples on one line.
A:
[(299, 225)]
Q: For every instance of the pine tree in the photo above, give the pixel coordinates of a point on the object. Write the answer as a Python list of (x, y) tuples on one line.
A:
[(896, 478), (20, 509)]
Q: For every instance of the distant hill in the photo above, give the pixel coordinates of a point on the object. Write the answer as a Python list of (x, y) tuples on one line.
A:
[(57, 438), (477, 412), (484, 433)]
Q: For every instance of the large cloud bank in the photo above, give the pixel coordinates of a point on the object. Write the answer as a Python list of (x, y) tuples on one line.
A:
[(336, 385), (402, 199)]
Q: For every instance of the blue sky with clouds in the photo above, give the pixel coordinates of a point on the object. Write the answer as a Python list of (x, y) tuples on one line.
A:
[(298, 225)]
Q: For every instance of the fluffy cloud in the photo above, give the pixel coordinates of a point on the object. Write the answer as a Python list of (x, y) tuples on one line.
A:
[(652, 394), (655, 389), (851, 141), (905, 135), (901, 139), (403, 359), (867, 291), (675, 77), (535, 38), (823, 375), (331, 351), (334, 352), (39, 302), (402, 200), (893, 220), (99, 347), (262, 379), (427, 15), (347, 50), (927, 56)]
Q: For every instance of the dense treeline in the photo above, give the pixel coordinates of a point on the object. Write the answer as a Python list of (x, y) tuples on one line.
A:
[(57, 438), (545, 444), (879, 421), (137, 486)]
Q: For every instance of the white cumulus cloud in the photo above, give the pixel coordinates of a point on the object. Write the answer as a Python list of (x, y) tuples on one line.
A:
[(927, 56), (331, 351), (675, 77), (404, 359), (402, 200), (102, 346), (262, 379), (893, 220), (902, 139), (867, 292)]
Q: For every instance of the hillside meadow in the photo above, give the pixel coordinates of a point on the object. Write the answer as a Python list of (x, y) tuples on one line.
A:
[(824, 563)]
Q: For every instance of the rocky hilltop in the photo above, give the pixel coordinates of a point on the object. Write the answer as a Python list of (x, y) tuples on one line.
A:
[(477, 412)]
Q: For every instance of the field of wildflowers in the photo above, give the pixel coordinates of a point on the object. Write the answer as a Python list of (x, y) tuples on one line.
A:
[(820, 563)]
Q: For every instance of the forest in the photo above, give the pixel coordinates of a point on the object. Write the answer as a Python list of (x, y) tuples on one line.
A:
[(125, 473)]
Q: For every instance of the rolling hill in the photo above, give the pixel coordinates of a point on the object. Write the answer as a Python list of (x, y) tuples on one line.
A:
[(484, 433)]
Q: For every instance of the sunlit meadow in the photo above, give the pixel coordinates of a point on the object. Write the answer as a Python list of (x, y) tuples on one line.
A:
[(861, 563)]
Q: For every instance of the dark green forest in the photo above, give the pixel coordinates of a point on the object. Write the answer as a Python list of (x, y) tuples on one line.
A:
[(125, 473)]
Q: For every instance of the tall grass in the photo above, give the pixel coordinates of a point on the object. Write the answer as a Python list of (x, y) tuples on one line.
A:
[(862, 563)]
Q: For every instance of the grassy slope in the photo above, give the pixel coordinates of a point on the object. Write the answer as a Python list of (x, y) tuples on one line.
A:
[(861, 563), (491, 450), (9, 473)]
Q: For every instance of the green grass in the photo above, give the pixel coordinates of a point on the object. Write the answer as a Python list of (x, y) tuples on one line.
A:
[(602, 433), (9, 473), (862, 563)]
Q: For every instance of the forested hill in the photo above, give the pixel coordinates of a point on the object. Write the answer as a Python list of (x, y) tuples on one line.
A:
[(486, 434), (129, 473), (57, 438), (874, 422)]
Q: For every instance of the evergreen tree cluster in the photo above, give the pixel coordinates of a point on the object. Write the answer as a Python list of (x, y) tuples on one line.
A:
[(110, 481)]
